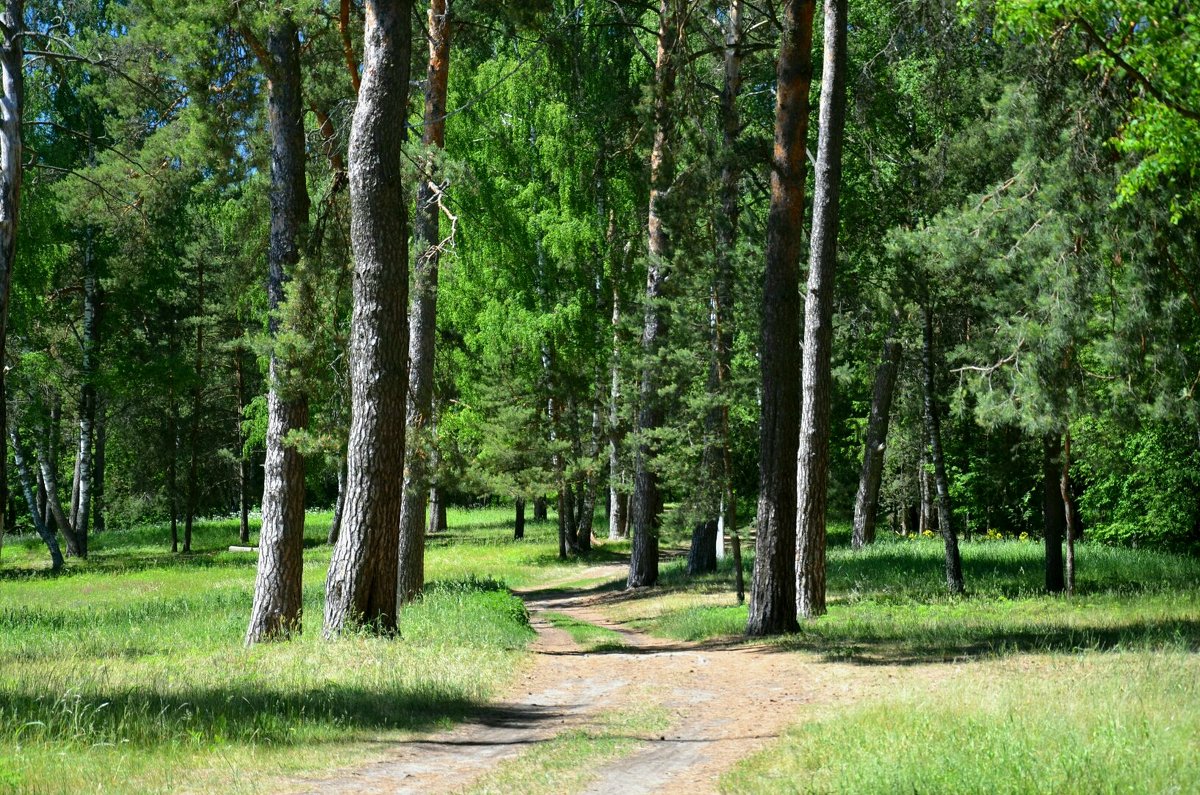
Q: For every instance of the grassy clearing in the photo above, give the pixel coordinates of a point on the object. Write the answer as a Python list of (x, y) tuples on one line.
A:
[(127, 672), (1100, 723), (590, 637), (888, 604), (570, 760)]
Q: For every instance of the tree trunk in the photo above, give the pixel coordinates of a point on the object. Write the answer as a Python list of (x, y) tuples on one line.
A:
[(933, 429), (812, 476), (193, 498), (26, 479), (1069, 509), (362, 581), (773, 587), (702, 557), (519, 523), (75, 547), (243, 459), (12, 86), (866, 501), (616, 504), (278, 587), (423, 311), (98, 467), (647, 500), (541, 512), (339, 506), (1053, 513)]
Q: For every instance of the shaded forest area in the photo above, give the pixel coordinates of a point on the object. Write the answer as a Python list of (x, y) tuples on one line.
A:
[(710, 264)]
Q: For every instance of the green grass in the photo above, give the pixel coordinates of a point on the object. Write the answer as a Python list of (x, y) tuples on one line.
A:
[(127, 672), (889, 604), (1111, 723), (591, 637), (570, 760)]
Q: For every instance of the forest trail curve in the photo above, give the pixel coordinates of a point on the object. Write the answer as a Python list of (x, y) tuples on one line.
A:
[(724, 701)]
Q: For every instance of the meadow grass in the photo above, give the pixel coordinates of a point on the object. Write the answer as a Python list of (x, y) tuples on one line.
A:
[(889, 603), (127, 672), (1124, 722)]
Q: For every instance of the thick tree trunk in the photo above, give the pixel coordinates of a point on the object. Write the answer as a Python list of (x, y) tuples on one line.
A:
[(933, 429), (12, 86), (1069, 509), (702, 555), (541, 511), (866, 501), (278, 587), (1053, 514), (27, 479), (361, 587), (519, 523), (773, 587), (647, 500), (812, 474), (423, 311)]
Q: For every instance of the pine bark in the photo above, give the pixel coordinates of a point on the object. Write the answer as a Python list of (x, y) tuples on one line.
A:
[(933, 430), (866, 501), (362, 581), (1054, 515), (540, 510), (773, 587), (519, 522), (646, 513), (423, 311), (12, 87), (278, 587), (812, 473)]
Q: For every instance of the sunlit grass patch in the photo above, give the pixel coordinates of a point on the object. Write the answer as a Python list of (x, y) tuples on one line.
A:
[(1088, 724), (591, 637)]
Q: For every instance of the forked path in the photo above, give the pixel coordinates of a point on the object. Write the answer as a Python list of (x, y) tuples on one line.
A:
[(724, 701)]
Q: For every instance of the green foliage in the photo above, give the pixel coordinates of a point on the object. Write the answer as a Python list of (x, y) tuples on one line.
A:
[(1141, 484)]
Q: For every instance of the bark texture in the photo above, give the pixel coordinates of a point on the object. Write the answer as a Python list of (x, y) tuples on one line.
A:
[(278, 587), (812, 473), (423, 310), (646, 511), (519, 523), (361, 587), (866, 501), (12, 88), (933, 429), (773, 587)]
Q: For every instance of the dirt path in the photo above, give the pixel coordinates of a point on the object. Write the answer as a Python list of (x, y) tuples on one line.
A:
[(725, 701)]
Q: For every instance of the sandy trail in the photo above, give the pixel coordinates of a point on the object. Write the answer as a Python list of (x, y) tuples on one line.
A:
[(725, 701)]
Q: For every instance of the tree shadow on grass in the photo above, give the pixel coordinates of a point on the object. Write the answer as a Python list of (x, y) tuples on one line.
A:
[(238, 713)]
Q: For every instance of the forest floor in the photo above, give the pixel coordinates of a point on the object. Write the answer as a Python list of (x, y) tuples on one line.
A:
[(716, 702), (520, 672)]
